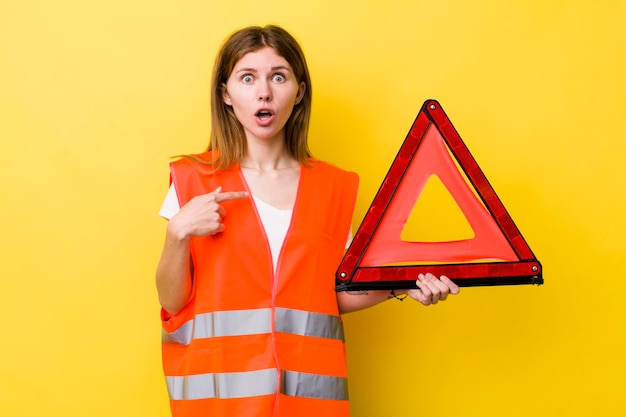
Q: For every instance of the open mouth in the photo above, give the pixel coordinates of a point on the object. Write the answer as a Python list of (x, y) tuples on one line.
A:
[(263, 114)]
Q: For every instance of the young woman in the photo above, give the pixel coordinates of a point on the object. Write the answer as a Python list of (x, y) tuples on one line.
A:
[(257, 228)]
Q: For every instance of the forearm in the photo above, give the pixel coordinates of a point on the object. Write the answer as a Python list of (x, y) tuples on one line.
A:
[(173, 275), (350, 301), (430, 290)]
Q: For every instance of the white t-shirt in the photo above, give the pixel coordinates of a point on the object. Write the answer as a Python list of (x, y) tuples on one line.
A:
[(275, 221)]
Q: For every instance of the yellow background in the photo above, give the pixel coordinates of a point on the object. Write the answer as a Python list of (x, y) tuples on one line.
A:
[(96, 96)]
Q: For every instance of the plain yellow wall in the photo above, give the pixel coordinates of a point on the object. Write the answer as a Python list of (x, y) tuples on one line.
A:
[(96, 96)]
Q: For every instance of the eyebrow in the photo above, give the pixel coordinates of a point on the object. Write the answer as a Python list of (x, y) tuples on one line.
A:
[(279, 67)]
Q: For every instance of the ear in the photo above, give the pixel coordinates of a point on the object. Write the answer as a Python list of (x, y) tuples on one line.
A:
[(226, 96), (301, 91)]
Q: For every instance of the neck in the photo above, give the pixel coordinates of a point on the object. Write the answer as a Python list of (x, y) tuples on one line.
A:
[(267, 156)]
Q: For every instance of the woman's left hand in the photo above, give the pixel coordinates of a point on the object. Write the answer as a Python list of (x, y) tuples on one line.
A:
[(431, 289)]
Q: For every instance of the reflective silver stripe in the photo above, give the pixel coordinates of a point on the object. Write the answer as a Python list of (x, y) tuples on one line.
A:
[(256, 321), (306, 323), (299, 384), (182, 335), (221, 323), (255, 383), (227, 385), (232, 323)]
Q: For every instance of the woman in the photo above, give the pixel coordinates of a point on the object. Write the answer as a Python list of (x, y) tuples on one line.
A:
[(257, 228)]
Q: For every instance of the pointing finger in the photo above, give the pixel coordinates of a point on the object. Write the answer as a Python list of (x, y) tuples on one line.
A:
[(230, 195)]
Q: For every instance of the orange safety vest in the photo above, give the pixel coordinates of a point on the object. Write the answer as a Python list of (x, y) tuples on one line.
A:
[(251, 341)]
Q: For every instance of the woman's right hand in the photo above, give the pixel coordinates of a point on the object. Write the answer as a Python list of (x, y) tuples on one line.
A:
[(202, 215)]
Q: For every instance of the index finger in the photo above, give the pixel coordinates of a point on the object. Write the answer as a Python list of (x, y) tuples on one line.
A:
[(230, 195)]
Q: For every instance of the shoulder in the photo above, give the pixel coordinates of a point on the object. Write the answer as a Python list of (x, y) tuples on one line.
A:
[(196, 174), (328, 168), (190, 171), (332, 173)]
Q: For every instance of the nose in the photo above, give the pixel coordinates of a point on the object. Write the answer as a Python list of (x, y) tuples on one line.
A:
[(264, 92)]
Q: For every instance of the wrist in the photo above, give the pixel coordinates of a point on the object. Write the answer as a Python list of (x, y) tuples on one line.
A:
[(399, 295), (177, 231)]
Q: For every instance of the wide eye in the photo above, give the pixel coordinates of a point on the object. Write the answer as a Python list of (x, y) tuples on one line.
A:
[(278, 78), (247, 79)]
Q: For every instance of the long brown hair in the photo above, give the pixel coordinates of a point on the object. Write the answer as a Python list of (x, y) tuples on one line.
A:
[(228, 139)]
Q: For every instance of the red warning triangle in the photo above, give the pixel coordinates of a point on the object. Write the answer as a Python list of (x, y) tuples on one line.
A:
[(379, 258)]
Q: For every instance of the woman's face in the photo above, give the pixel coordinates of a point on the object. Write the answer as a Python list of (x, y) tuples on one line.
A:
[(262, 91)]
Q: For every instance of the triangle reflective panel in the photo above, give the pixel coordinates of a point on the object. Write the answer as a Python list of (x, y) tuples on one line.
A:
[(490, 250)]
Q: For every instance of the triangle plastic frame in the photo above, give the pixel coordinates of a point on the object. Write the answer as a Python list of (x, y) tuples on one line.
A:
[(513, 264)]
